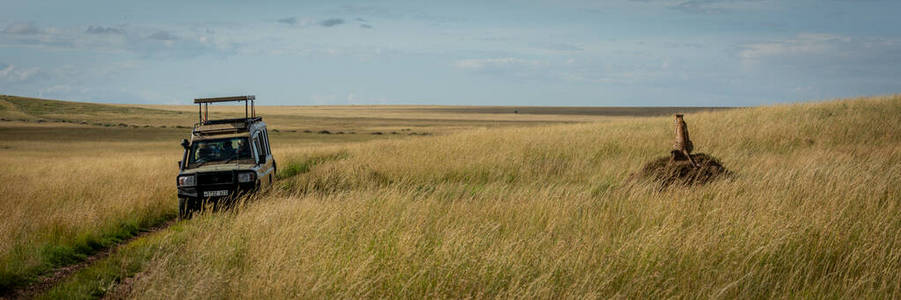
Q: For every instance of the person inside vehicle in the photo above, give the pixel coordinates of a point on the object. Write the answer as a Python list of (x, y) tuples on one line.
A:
[(243, 149), (227, 151), (204, 153)]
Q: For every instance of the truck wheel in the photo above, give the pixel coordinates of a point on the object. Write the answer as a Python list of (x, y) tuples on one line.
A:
[(184, 211)]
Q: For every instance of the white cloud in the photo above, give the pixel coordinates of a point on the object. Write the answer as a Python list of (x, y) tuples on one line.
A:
[(712, 6), (561, 47), (804, 44), (289, 21), (103, 30), (22, 28), (825, 65), (565, 69), (156, 41), (486, 64), (163, 36), (331, 22), (15, 74), (718, 6), (297, 22)]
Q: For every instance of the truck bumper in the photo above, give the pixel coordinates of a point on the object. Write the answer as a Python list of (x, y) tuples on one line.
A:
[(195, 195)]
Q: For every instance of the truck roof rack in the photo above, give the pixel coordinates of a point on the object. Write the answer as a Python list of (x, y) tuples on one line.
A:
[(203, 106), (231, 121), (233, 125), (225, 99)]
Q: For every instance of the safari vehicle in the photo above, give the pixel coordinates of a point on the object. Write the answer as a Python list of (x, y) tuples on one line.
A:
[(225, 158)]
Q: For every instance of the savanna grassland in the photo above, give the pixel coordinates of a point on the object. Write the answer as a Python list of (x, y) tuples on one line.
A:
[(80, 177), (487, 205)]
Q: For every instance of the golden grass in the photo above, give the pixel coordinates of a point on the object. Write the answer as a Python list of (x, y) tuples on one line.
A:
[(547, 212), (70, 189), (64, 199)]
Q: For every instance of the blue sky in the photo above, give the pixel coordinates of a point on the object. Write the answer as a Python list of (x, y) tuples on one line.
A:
[(594, 53)]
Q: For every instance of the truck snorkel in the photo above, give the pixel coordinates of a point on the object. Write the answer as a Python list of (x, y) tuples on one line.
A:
[(184, 156)]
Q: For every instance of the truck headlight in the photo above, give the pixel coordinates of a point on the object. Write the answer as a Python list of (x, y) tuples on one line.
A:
[(247, 177), (187, 180)]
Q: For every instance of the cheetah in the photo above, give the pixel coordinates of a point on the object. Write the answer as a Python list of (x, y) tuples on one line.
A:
[(683, 145)]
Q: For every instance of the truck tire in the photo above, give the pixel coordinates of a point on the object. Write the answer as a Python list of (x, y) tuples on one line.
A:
[(184, 210)]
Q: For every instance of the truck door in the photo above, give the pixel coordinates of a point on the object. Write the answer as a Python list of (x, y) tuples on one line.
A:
[(265, 160), (270, 159)]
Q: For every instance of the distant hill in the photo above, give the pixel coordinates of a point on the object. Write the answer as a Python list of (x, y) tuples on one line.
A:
[(35, 109)]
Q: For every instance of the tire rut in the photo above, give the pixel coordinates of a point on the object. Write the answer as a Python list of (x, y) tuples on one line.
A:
[(58, 275)]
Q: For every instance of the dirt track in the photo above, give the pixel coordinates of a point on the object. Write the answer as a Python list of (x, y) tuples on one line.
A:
[(51, 279)]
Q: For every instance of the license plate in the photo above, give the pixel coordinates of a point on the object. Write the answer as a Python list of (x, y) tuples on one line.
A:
[(215, 193)]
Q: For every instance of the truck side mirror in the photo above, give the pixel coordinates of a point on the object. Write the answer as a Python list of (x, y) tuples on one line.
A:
[(184, 143), (261, 160), (179, 164)]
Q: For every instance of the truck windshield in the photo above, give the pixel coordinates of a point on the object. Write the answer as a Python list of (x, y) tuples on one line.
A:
[(219, 151)]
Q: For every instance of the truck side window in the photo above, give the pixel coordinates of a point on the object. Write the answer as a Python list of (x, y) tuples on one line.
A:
[(256, 145), (266, 139), (261, 138)]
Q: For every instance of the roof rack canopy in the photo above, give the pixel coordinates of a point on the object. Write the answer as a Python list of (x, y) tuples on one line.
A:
[(203, 106), (225, 99)]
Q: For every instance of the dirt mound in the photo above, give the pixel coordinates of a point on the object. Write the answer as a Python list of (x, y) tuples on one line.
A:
[(676, 169)]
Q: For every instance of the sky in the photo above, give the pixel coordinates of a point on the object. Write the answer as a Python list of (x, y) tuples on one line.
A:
[(572, 53)]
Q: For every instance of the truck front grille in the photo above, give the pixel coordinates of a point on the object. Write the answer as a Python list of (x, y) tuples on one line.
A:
[(214, 178)]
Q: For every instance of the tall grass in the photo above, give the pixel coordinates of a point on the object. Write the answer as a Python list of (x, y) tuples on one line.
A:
[(56, 211), (813, 211), (70, 187)]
